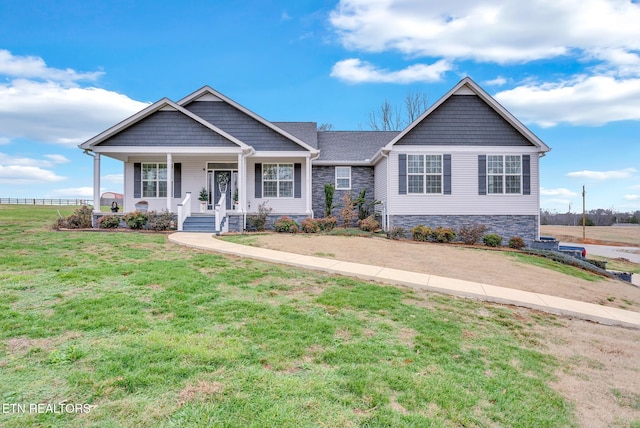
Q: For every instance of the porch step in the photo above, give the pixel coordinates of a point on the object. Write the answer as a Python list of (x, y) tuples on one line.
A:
[(200, 223)]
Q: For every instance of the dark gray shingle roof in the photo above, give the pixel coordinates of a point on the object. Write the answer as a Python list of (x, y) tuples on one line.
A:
[(305, 131), (352, 146)]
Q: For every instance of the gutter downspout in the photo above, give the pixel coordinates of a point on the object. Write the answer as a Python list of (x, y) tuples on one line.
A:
[(385, 154), (245, 154), (312, 157), (96, 179)]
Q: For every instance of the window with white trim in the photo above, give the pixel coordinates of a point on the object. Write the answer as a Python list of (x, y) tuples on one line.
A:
[(504, 174), (277, 180), (343, 178), (154, 180), (424, 174)]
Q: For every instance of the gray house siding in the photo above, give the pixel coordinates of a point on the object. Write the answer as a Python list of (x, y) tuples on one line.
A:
[(464, 120), (361, 178), (243, 127), (507, 226), (168, 128)]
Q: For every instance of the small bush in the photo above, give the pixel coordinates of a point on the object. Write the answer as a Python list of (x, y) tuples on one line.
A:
[(259, 221), (327, 224), (135, 220), (80, 219), (443, 234), (109, 222), (369, 224), (421, 233), (470, 234), (310, 225), (160, 220), (396, 233), (517, 243), (492, 240), (348, 213), (287, 225)]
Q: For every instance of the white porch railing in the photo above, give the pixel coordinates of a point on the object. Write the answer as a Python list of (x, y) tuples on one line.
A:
[(184, 210), (221, 211)]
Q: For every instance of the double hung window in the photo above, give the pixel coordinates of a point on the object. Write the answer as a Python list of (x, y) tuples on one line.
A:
[(277, 180), (154, 180), (424, 174), (504, 174)]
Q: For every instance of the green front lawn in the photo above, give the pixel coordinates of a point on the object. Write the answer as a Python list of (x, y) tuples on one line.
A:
[(152, 334)]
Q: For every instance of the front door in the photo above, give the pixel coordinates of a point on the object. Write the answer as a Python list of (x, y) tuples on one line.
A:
[(219, 178)]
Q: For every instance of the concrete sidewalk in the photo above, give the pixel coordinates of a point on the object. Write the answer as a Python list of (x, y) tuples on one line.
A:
[(419, 281)]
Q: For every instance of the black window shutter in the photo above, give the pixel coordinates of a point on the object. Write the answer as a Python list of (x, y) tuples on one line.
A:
[(137, 180), (177, 180), (297, 180), (482, 174), (402, 174), (446, 174), (258, 180), (526, 174)]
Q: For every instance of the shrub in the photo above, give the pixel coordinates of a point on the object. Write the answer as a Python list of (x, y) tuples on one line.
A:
[(369, 224), (443, 234), (327, 224), (517, 243), (160, 220), (396, 233), (109, 222), (80, 219), (135, 220), (348, 213), (310, 225), (259, 221), (329, 190), (421, 233), (492, 240), (286, 224), (470, 234)]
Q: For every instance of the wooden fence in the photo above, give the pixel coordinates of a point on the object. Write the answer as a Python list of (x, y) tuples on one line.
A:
[(41, 201)]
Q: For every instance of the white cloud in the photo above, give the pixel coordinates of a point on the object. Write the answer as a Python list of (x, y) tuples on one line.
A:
[(496, 31), (32, 67), (557, 192), (584, 100), (74, 192), (603, 175), (354, 70), (113, 178), (21, 174), (57, 158), (45, 104), (632, 197), (4, 140), (498, 81)]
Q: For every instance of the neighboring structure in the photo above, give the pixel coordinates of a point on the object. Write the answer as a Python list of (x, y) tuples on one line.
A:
[(108, 198), (465, 160)]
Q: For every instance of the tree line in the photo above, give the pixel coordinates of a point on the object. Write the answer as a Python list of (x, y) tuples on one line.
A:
[(596, 217)]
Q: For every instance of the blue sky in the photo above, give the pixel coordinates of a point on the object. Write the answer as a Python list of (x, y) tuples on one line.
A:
[(569, 70)]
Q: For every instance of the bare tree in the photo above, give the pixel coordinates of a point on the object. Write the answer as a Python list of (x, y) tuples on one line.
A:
[(391, 118), (326, 126)]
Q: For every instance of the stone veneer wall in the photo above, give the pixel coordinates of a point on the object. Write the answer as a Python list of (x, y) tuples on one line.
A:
[(361, 178), (507, 226)]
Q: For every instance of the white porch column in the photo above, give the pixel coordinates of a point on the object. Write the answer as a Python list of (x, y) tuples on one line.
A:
[(96, 183), (169, 181), (242, 190), (309, 185)]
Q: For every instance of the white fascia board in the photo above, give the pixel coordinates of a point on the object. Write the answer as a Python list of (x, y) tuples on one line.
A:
[(342, 163), (207, 89), (468, 84), (283, 154), (164, 104), (169, 149), (467, 149)]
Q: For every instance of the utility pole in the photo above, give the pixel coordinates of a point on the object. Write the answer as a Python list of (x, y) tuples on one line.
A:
[(584, 216)]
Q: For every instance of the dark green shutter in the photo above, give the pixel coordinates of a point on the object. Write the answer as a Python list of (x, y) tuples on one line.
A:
[(177, 180), (526, 174), (402, 174), (297, 180), (446, 174), (482, 174), (137, 180), (258, 181)]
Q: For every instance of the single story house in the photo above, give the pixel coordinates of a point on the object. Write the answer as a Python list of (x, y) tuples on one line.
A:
[(465, 160)]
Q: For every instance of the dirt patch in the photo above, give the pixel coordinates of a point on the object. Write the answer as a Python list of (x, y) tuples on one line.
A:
[(452, 261), (200, 390), (624, 236)]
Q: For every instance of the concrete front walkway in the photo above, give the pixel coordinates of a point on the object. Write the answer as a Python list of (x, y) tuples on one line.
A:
[(419, 281)]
